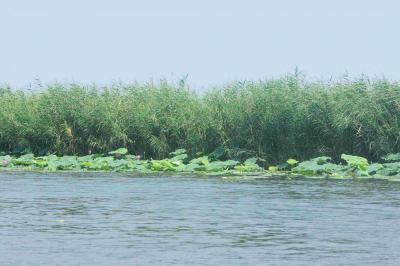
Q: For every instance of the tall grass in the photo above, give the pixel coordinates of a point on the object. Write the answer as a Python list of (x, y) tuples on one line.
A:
[(274, 119)]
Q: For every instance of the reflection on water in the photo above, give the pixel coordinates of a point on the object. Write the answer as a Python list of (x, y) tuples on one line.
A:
[(104, 219)]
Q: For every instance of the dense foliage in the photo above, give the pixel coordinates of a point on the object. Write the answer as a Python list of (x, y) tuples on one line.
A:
[(273, 120), (179, 162)]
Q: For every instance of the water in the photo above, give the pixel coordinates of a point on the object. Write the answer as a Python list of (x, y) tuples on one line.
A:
[(105, 219)]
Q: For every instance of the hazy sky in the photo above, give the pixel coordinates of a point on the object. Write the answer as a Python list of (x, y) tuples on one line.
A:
[(213, 41)]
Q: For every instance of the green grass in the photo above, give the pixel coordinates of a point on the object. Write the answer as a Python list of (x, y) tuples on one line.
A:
[(273, 119)]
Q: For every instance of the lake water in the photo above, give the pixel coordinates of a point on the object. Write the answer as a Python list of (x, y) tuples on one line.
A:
[(108, 219)]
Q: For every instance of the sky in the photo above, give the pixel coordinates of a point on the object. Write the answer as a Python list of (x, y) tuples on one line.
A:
[(211, 42)]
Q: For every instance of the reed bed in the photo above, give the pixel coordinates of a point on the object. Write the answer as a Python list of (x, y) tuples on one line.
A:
[(273, 119)]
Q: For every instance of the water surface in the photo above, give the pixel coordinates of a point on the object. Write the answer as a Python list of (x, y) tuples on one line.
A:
[(109, 219)]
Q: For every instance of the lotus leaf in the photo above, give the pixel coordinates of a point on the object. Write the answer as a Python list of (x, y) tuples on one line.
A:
[(358, 163), (119, 152), (392, 157)]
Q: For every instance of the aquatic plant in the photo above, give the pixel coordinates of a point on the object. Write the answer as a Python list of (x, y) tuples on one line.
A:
[(273, 120), (181, 162), (358, 164)]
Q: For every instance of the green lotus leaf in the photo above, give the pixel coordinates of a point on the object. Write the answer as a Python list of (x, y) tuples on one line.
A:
[(273, 168), (179, 157), (24, 160), (357, 162), (201, 160), (392, 157), (178, 152), (292, 162), (252, 160), (120, 151)]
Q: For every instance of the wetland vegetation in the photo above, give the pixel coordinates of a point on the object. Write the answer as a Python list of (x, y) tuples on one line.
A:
[(241, 127), (180, 162)]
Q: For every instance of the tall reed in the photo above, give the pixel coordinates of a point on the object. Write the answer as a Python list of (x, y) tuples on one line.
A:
[(274, 119)]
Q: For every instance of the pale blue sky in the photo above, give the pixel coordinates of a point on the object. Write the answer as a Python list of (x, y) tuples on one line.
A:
[(214, 41)]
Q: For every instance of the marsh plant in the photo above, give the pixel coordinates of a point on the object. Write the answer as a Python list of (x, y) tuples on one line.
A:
[(272, 120), (180, 162)]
